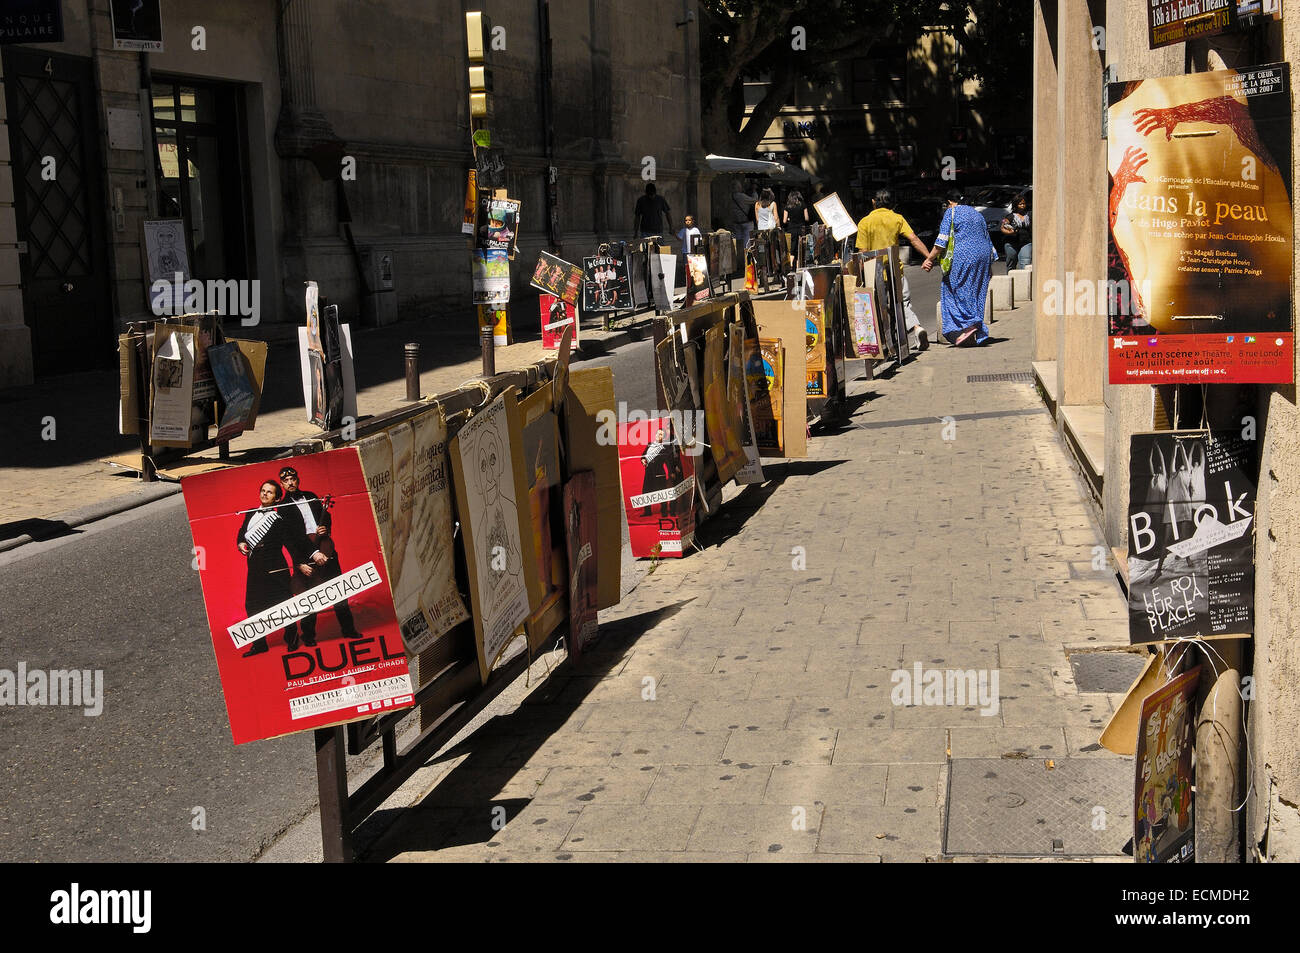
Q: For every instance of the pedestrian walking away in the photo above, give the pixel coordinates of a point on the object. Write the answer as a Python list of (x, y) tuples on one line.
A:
[(650, 214), (884, 228), (965, 285)]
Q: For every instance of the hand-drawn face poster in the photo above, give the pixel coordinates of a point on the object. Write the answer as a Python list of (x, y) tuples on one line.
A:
[(492, 500), (1200, 247), (1162, 798), (1191, 540), (297, 594)]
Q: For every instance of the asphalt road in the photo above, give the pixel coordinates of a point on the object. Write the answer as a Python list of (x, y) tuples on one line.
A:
[(120, 596)]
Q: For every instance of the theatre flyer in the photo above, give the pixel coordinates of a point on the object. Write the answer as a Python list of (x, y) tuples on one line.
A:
[(263, 580), (1200, 228), (658, 476), (1163, 828), (1191, 536)]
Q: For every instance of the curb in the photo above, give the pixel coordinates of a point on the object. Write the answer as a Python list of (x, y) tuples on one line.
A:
[(93, 513)]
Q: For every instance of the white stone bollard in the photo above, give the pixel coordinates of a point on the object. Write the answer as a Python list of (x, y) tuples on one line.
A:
[(938, 323), (1001, 290), (989, 316), (1020, 284)]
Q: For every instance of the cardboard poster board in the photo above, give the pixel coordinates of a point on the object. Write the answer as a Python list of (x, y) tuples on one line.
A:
[(764, 379), (721, 417), (1191, 536), (543, 470), (556, 315), (583, 550), (1163, 828), (172, 397), (658, 476), (663, 281), (777, 319), (557, 277), (590, 391), (253, 598), (406, 469), (491, 500), (1201, 241), (738, 396)]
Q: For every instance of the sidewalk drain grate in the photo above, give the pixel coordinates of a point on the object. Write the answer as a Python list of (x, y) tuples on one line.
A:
[(1106, 671), (1018, 377), (1080, 808)]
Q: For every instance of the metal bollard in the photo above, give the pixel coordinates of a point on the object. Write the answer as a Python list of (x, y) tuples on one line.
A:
[(413, 372)]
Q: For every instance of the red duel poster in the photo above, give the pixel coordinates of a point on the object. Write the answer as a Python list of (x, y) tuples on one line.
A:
[(556, 316), (658, 487), (297, 594), (580, 536)]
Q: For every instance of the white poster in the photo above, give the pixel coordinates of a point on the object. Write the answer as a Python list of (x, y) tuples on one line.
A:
[(663, 281), (836, 217), (168, 262), (173, 386), (488, 501)]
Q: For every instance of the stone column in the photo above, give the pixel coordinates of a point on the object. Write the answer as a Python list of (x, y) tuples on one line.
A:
[(1047, 191)]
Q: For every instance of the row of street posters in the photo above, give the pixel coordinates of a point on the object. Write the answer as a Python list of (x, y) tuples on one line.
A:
[(1200, 245), (1191, 536), (367, 533)]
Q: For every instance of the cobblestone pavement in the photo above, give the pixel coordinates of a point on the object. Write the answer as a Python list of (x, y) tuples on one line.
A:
[(739, 704)]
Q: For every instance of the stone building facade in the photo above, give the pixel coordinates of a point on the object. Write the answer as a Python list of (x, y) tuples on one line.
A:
[(260, 105), (1252, 761)]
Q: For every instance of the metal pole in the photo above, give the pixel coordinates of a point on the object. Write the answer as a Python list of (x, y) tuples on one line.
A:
[(413, 371)]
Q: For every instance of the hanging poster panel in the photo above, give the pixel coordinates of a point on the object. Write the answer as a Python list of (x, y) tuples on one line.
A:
[(172, 396), (167, 261), (1191, 536), (263, 580), (236, 387), (1200, 244), (1163, 829), (541, 442), (498, 223), (607, 286), (556, 315), (721, 418), (738, 396), (831, 210), (137, 25), (558, 277), (581, 539), (777, 319), (764, 361), (1176, 21), (658, 488), (491, 275), (697, 280), (663, 281), (491, 498)]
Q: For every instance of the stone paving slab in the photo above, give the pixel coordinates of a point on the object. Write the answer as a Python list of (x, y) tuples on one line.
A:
[(770, 731)]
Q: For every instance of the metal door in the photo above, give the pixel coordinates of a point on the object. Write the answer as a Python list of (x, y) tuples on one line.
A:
[(59, 208)]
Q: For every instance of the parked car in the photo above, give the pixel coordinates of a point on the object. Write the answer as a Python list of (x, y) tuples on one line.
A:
[(994, 202)]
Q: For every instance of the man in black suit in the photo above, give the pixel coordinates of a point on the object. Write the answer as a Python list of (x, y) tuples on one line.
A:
[(266, 534), (324, 558)]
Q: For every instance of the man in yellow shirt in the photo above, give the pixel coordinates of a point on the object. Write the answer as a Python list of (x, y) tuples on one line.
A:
[(883, 228)]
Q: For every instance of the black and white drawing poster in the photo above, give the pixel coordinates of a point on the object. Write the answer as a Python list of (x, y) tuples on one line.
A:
[(1191, 536)]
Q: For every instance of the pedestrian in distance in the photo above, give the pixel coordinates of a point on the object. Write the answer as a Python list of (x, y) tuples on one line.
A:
[(963, 241), (1016, 235), (650, 214), (883, 228), (742, 217)]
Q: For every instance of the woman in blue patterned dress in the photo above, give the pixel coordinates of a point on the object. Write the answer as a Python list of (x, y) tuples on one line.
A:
[(966, 286)]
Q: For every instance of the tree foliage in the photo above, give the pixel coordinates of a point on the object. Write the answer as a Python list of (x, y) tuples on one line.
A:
[(792, 41)]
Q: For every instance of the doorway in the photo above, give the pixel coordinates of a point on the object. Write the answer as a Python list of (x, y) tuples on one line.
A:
[(59, 208)]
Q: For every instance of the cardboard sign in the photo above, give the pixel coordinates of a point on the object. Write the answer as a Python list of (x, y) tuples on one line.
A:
[(738, 396), (658, 476), (721, 416), (544, 472), (558, 277), (663, 281), (776, 319), (1163, 829), (556, 315), (1191, 536), (266, 585), (1200, 251), (580, 514), (491, 499)]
